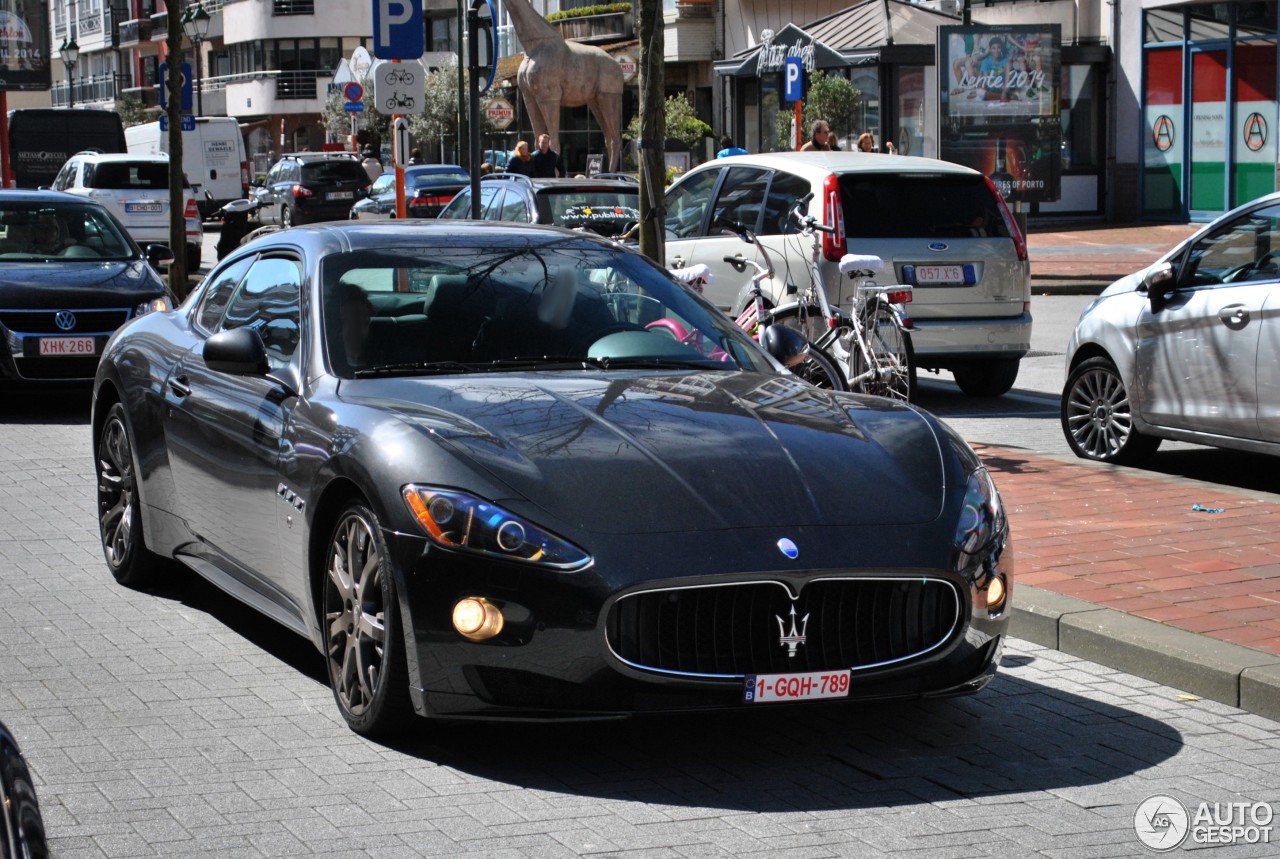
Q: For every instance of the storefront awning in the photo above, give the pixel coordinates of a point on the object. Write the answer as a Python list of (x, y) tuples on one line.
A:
[(771, 56)]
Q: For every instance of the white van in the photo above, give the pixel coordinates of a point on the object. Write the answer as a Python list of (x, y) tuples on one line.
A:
[(213, 157)]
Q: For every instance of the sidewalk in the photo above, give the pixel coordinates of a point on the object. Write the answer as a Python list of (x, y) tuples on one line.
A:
[(1114, 565), (1085, 259)]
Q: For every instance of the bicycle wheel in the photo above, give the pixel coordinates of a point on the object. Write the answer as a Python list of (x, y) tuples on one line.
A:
[(894, 357), (810, 323), (821, 370)]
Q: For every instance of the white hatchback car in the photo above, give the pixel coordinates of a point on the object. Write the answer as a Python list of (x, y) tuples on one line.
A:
[(1186, 349), (136, 190), (940, 227)]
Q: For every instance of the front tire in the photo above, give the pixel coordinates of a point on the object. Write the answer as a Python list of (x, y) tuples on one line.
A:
[(1097, 417), (287, 218), (361, 625), (119, 513)]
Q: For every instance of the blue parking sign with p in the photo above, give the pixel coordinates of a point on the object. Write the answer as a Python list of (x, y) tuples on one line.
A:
[(398, 30), (794, 77)]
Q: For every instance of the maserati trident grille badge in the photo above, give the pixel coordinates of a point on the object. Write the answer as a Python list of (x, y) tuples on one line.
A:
[(792, 639), (788, 548)]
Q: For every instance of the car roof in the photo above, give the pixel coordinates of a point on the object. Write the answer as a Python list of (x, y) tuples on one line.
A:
[(343, 236), (844, 162), (13, 195), (537, 184), (124, 156)]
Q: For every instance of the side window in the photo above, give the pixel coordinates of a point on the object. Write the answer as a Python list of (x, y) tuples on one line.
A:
[(274, 175), (383, 184), (514, 208), (215, 298), (459, 206), (740, 196), (687, 202), (66, 176), (784, 190), (1245, 249), (490, 198), (269, 301)]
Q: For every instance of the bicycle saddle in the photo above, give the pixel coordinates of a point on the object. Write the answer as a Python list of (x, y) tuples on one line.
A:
[(850, 263), (694, 274)]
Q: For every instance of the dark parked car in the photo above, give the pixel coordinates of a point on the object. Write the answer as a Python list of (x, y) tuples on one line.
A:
[(306, 187), (72, 276), (470, 463), (604, 206), (428, 188), (22, 832)]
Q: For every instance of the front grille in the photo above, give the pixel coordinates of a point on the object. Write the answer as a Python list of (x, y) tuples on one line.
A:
[(95, 321), (737, 629)]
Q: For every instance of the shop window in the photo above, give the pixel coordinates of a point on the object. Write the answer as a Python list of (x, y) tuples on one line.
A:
[(1164, 131), (1209, 22), (1080, 117), (1162, 25)]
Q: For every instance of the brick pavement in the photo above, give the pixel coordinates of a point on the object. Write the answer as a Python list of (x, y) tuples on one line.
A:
[(1130, 540), (1099, 253)]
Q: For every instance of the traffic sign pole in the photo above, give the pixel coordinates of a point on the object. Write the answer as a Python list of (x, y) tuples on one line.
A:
[(398, 122)]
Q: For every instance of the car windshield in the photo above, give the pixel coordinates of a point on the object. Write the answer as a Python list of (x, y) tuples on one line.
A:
[(40, 232), (472, 307), (919, 205), (441, 177)]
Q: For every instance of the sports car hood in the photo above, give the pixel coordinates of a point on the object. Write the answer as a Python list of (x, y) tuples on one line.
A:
[(628, 453), (79, 283)]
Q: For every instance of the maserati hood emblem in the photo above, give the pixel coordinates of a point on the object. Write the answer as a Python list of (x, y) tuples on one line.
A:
[(791, 639), (788, 548)]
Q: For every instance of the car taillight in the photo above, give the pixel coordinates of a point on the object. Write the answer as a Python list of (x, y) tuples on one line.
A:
[(833, 244), (192, 210), (301, 191), (431, 201), (1010, 223)]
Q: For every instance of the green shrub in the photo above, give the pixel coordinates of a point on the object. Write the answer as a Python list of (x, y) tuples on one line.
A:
[(582, 11)]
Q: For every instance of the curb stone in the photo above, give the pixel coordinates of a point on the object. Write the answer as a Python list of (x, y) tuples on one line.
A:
[(1218, 670)]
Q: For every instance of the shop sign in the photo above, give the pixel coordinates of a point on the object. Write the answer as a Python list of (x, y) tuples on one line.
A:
[(499, 112), (627, 63)]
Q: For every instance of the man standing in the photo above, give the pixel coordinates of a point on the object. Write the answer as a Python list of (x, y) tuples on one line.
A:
[(371, 164), (819, 137), (546, 161), (727, 148)]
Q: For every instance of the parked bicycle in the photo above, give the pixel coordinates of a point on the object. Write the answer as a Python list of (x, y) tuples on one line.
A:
[(872, 342)]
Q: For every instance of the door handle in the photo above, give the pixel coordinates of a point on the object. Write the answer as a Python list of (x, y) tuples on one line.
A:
[(1235, 317), (180, 386), (677, 261)]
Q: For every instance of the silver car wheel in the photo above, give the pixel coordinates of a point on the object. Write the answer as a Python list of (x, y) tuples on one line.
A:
[(355, 614), (115, 492), (1097, 413)]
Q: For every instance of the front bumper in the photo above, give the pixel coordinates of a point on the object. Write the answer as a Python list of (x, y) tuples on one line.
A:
[(554, 660)]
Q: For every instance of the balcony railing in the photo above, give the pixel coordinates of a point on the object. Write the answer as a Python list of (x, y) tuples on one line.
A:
[(132, 32), (296, 85), (293, 7), (608, 27), (159, 25), (108, 87)]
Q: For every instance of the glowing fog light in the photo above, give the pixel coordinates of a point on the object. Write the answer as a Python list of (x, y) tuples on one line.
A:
[(995, 594), (476, 618)]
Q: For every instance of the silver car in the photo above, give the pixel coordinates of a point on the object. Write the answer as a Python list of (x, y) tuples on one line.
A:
[(1187, 349)]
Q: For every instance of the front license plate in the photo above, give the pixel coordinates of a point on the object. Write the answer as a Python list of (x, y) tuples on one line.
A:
[(144, 207), (67, 346), (766, 688), (338, 195), (939, 274)]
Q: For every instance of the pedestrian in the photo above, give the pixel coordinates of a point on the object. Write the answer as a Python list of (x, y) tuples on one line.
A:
[(415, 156), (521, 161), (486, 168), (546, 161), (819, 137), (371, 164), (727, 148)]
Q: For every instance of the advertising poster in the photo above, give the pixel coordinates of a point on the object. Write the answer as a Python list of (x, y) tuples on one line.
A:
[(1000, 105), (24, 45)]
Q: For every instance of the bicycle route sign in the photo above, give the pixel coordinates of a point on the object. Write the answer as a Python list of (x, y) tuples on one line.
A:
[(398, 87)]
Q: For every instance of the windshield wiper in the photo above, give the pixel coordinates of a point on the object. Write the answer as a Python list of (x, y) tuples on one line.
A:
[(607, 363), (418, 368)]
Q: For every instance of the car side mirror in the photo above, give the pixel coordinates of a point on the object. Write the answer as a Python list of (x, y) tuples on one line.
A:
[(785, 344), (239, 352), (159, 255), (1158, 281)]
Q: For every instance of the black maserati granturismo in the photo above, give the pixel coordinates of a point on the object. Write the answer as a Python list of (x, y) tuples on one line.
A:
[(515, 471)]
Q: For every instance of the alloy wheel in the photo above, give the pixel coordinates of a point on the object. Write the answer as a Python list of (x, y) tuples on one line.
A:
[(1097, 413), (355, 614), (116, 492)]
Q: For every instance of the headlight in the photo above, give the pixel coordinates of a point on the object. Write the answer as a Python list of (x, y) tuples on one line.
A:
[(156, 304), (981, 517), (457, 520)]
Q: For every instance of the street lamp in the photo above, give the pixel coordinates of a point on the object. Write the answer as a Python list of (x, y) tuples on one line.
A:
[(70, 53), (195, 23)]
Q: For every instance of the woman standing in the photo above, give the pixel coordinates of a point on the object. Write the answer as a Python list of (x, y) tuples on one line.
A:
[(521, 162)]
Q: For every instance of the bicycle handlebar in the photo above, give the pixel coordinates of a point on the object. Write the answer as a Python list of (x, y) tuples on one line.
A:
[(799, 215)]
